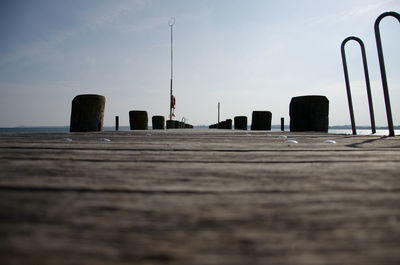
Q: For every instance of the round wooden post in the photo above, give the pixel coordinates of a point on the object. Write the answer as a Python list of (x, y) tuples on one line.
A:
[(240, 123), (87, 113), (170, 124), (309, 113), (138, 120), (261, 120), (158, 122), (228, 124)]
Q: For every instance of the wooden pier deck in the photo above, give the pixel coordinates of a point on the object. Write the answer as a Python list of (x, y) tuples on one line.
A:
[(199, 197)]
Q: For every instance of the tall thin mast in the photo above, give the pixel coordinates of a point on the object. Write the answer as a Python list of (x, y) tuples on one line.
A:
[(171, 24), (218, 111)]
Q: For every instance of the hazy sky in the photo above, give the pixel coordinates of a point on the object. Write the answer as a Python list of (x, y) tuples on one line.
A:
[(248, 55)]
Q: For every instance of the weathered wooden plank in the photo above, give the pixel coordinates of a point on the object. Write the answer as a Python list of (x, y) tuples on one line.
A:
[(199, 197)]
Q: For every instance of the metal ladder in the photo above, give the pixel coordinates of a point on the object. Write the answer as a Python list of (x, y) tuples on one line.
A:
[(383, 76), (346, 77)]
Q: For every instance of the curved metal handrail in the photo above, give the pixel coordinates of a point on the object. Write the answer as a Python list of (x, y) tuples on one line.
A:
[(382, 67), (367, 82)]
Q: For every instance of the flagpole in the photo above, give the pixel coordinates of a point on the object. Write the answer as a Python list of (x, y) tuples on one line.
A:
[(171, 24)]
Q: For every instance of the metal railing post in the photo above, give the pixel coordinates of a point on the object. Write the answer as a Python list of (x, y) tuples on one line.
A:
[(382, 67), (367, 83)]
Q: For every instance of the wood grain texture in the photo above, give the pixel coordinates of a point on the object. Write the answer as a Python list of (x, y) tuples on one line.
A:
[(199, 197)]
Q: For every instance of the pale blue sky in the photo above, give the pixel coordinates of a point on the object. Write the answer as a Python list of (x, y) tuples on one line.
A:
[(248, 55)]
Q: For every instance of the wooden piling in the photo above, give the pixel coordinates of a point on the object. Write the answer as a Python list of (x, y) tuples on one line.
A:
[(261, 120), (240, 123), (170, 124), (158, 122), (309, 113), (87, 113), (138, 120), (116, 123)]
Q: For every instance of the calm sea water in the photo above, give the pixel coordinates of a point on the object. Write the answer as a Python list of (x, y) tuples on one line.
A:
[(56, 129), (363, 132), (63, 129)]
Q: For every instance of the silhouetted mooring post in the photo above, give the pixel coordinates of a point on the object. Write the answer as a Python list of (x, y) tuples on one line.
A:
[(138, 120), (116, 123), (346, 77), (171, 24), (261, 120), (87, 113), (309, 113), (382, 67)]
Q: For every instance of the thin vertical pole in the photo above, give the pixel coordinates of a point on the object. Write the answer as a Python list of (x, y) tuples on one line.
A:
[(218, 111), (282, 124), (382, 67), (116, 123), (171, 24)]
